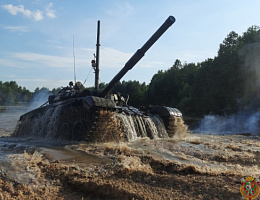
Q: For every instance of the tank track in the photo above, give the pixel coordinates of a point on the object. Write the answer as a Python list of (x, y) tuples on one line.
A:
[(95, 125), (72, 122), (75, 122)]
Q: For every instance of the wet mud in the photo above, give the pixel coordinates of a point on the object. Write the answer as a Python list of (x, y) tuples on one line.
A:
[(197, 166)]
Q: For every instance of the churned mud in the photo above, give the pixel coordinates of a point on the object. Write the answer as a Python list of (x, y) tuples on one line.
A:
[(194, 167)]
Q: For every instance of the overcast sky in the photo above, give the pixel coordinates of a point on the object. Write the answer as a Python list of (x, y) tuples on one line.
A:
[(36, 37)]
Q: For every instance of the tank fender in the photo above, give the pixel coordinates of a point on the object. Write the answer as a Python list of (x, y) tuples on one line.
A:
[(93, 101), (165, 112)]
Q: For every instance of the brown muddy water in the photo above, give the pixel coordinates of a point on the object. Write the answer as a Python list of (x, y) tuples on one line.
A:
[(198, 166)]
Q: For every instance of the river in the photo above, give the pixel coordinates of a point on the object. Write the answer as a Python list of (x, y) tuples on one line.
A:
[(198, 166)]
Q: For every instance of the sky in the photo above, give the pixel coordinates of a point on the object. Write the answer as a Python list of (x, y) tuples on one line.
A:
[(36, 37)]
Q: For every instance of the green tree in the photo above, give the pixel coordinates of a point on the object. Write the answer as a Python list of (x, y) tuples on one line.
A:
[(134, 89), (10, 97)]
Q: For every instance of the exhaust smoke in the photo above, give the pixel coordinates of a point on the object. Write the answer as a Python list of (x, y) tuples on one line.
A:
[(243, 122), (247, 119)]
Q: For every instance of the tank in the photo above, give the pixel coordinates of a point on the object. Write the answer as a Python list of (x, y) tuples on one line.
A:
[(79, 114)]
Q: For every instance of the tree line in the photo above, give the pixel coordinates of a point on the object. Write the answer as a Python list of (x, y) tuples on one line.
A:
[(221, 85), (225, 84), (12, 94)]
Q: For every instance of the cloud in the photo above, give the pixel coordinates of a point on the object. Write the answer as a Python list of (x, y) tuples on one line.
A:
[(124, 9), (14, 10), (152, 64), (113, 58), (194, 56), (49, 12), (53, 61), (17, 28), (38, 82), (110, 58), (37, 15), (7, 62)]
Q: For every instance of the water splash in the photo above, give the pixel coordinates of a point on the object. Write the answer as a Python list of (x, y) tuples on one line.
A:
[(243, 122), (38, 99)]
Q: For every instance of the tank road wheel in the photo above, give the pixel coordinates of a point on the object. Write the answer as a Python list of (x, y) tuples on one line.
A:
[(64, 131), (79, 131)]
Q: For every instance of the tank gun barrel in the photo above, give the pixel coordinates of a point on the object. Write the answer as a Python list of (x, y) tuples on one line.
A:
[(138, 55)]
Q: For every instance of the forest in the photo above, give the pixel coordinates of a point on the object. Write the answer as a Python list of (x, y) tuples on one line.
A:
[(222, 85), (11, 93), (225, 84)]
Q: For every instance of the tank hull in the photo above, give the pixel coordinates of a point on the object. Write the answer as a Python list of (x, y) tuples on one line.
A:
[(96, 119)]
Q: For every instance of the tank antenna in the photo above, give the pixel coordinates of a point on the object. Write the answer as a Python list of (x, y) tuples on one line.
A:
[(74, 61), (97, 57)]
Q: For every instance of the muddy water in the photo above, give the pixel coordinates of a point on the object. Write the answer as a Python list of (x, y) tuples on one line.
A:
[(208, 154), (69, 156), (8, 119), (198, 166)]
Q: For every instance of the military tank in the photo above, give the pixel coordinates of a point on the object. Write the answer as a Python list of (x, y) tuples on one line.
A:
[(79, 114)]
